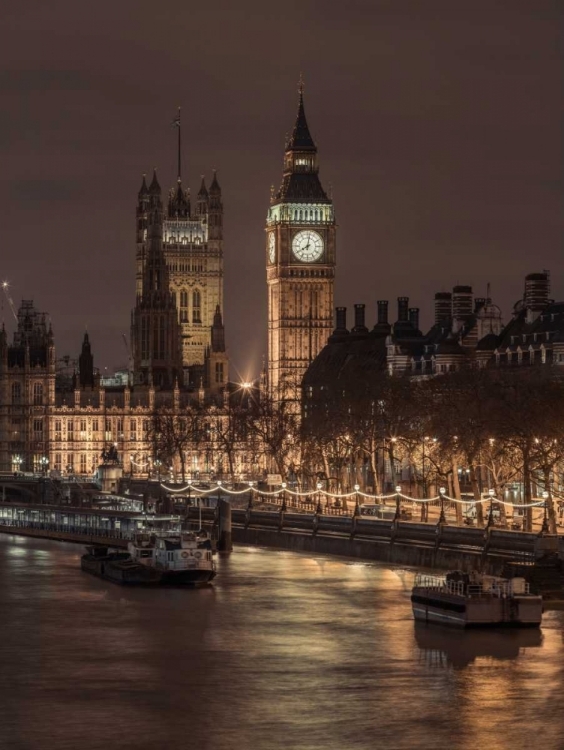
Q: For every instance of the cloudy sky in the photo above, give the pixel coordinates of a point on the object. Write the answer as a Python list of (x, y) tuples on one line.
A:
[(438, 123)]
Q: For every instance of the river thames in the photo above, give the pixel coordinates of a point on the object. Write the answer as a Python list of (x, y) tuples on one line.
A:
[(284, 651)]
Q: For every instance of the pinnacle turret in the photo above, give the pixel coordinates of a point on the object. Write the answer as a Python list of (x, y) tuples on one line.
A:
[(203, 191), (154, 187), (144, 190), (214, 187)]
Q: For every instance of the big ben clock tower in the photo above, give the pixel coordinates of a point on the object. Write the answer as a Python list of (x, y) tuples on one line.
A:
[(300, 263)]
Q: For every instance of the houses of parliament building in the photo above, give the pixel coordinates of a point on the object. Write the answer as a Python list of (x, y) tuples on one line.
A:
[(60, 420)]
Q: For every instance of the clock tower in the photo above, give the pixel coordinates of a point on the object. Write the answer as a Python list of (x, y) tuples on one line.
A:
[(300, 263)]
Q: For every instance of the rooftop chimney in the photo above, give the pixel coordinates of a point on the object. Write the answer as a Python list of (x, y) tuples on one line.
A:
[(414, 317), (479, 302), (382, 311), (359, 326), (340, 321), (443, 306), (537, 289), (403, 305), (461, 301)]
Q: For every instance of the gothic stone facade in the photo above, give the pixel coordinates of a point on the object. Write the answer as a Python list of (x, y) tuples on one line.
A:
[(300, 262)]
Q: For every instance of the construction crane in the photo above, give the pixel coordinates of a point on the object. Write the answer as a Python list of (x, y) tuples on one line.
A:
[(6, 287)]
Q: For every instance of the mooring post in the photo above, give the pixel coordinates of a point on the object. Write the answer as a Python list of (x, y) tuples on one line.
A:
[(224, 543)]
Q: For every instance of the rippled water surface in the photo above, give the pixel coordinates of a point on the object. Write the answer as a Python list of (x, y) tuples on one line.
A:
[(284, 651)]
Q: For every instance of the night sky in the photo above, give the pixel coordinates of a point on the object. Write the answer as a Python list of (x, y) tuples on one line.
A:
[(439, 125)]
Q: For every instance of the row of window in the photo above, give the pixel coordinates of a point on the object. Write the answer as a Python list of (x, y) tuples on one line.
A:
[(37, 396), (194, 266)]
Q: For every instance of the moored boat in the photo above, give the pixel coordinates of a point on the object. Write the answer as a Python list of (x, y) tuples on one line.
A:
[(467, 600), (183, 559)]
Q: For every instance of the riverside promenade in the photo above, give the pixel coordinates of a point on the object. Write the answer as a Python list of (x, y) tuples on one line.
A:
[(399, 542)]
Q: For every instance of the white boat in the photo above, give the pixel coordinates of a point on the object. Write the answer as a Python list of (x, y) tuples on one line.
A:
[(467, 600), (185, 559)]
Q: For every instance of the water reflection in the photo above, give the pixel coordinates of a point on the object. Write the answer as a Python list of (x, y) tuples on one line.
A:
[(441, 646), (284, 652)]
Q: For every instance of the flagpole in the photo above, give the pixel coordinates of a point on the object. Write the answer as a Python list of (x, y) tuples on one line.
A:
[(179, 150)]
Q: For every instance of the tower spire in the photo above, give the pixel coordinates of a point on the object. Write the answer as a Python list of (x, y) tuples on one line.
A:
[(301, 139)]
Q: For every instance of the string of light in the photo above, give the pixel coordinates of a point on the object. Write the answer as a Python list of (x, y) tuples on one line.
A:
[(200, 491)]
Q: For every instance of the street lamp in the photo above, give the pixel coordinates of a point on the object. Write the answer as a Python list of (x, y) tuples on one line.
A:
[(544, 527), (398, 511), (319, 509), (442, 518), (356, 504), (491, 493), (283, 496), (17, 461), (250, 503), (44, 461)]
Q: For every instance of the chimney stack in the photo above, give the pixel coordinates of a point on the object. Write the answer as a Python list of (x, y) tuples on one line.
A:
[(414, 317), (461, 302), (479, 302), (403, 305), (340, 320), (443, 307), (359, 326), (537, 289), (382, 311)]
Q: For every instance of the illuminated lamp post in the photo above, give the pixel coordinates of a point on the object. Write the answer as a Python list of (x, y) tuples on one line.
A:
[(44, 461), (283, 508), (319, 509), (491, 493), (442, 518), (398, 509), (250, 503), (544, 527), (17, 461), (356, 503), (158, 463)]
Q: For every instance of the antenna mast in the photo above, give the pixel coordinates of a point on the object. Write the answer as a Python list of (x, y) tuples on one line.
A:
[(176, 124)]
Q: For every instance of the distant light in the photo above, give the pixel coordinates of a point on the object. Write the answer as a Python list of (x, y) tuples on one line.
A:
[(246, 384)]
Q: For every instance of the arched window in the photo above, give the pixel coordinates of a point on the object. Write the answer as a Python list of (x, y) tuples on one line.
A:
[(37, 394), (183, 306), (16, 393), (196, 307)]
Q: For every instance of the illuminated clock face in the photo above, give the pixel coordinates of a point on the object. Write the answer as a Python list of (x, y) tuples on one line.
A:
[(271, 247), (307, 246)]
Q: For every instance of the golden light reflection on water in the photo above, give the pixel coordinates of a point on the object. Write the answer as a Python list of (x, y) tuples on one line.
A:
[(284, 651)]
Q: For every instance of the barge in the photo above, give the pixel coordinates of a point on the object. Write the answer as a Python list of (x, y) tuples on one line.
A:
[(472, 600), (184, 559)]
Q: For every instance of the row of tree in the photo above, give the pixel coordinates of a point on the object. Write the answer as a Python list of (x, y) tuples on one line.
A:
[(496, 429)]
